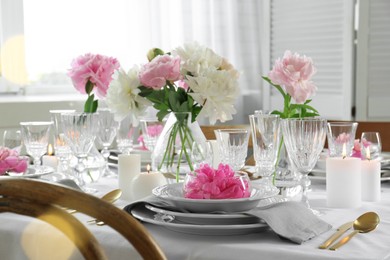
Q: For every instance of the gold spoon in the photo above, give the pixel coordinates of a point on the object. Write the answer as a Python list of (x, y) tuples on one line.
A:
[(363, 224), (110, 197)]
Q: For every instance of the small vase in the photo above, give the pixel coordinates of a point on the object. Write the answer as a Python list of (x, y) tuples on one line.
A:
[(172, 153)]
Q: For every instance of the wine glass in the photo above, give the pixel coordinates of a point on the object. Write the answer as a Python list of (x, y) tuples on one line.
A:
[(151, 129), (201, 153), (371, 141), (125, 135), (12, 139), (35, 136), (80, 131), (61, 147), (106, 134), (265, 130), (304, 139)]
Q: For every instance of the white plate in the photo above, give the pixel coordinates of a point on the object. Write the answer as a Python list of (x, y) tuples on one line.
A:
[(170, 222), (32, 173), (173, 193)]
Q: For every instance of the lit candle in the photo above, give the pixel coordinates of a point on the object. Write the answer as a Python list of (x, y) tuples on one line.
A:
[(129, 166), (50, 159), (143, 184), (371, 178), (343, 181)]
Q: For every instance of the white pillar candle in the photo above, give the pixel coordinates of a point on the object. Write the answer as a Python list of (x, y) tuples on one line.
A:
[(371, 180), (129, 166), (50, 160), (144, 183), (343, 182)]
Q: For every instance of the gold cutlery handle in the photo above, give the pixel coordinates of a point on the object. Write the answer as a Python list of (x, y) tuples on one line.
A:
[(344, 240), (331, 239)]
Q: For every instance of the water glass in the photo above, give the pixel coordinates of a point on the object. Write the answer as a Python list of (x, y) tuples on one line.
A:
[(371, 144), (265, 129), (201, 153), (125, 135), (341, 134), (36, 139), (151, 130), (12, 139), (233, 146)]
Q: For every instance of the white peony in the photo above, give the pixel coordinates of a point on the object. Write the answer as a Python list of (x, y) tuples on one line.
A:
[(197, 58), (122, 96), (216, 91)]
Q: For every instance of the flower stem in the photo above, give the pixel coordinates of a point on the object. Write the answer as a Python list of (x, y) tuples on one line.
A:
[(277, 160)]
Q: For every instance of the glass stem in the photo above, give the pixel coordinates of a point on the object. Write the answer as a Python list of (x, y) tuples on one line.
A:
[(106, 153), (80, 168), (305, 183), (37, 161)]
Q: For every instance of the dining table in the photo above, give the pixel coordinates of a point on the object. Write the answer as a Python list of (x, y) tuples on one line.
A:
[(23, 237)]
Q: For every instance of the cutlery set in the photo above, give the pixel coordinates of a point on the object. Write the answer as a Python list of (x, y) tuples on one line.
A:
[(363, 224)]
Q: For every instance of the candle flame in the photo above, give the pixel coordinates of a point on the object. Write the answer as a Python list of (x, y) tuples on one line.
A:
[(344, 153), (50, 149), (368, 154), (148, 168)]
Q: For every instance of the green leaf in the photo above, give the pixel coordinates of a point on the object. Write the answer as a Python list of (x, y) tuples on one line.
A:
[(89, 87), (90, 105), (161, 114)]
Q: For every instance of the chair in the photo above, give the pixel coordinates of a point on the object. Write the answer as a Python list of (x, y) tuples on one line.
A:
[(35, 198)]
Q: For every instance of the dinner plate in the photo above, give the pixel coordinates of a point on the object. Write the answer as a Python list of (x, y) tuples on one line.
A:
[(32, 173), (216, 218), (173, 193), (172, 223)]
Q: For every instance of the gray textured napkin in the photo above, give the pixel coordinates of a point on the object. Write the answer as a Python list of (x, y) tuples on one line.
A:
[(290, 220)]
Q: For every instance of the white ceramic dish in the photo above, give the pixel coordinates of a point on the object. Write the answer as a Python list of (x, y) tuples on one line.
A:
[(170, 222), (32, 173), (173, 193)]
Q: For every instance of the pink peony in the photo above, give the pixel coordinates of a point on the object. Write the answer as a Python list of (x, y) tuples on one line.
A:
[(342, 138), (294, 73), (221, 183), (357, 150), (161, 69), (97, 69), (11, 162)]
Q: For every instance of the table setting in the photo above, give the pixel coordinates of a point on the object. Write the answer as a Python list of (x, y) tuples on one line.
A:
[(199, 194)]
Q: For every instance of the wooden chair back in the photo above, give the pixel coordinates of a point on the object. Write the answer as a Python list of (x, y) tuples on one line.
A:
[(36, 198)]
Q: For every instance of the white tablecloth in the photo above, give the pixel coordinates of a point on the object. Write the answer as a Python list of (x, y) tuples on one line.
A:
[(19, 235)]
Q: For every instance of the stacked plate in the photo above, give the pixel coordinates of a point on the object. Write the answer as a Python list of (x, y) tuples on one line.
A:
[(203, 216)]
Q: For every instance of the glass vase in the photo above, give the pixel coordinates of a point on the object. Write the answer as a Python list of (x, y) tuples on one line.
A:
[(172, 153)]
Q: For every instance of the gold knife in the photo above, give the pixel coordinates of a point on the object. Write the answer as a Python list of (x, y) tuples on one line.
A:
[(341, 230)]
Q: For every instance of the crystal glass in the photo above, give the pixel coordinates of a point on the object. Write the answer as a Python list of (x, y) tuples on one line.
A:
[(12, 138), (265, 129), (340, 134), (372, 142), (304, 139), (80, 131), (36, 139), (151, 129), (201, 153), (233, 146), (125, 135), (106, 134), (61, 147)]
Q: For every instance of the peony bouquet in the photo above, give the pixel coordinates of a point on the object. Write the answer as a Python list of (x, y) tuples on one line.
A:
[(190, 79), (10, 161), (92, 74)]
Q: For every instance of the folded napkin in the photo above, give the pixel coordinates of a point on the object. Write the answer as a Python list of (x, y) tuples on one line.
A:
[(290, 220)]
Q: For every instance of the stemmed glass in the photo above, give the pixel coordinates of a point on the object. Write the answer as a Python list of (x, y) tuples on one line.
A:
[(265, 130), (61, 147), (371, 141), (36, 139), (304, 139), (151, 129), (80, 131), (107, 131)]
